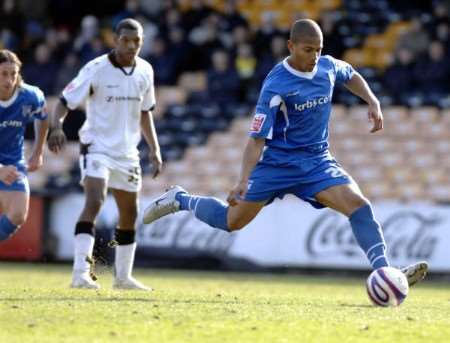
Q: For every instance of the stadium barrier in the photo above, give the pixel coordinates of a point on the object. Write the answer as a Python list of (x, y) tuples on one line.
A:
[(278, 237)]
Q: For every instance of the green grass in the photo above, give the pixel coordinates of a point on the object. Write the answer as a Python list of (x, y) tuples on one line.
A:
[(36, 305)]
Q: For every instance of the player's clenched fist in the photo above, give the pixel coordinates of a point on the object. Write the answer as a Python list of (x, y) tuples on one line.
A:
[(56, 140), (237, 193), (8, 174)]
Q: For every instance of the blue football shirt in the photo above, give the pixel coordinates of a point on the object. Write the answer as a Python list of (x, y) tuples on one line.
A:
[(294, 107), (26, 105)]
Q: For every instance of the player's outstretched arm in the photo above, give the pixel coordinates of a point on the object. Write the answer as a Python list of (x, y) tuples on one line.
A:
[(57, 138), (358, 86), (40, 133), (149, 132), (252, 154)]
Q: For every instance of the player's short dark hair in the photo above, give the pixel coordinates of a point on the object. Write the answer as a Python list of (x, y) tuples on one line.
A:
[(304, 29), (128, 24), (10, 57)]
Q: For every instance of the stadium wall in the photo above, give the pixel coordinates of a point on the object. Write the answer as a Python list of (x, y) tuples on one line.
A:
[(288, 233), (27, 244)]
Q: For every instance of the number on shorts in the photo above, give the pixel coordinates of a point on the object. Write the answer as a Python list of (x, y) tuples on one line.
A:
[(134, 175)]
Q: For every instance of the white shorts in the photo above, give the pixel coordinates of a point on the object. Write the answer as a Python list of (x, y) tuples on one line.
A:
[(123, 174)]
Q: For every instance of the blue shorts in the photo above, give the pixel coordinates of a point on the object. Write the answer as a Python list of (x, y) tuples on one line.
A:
[(20, 185), (302, 174)]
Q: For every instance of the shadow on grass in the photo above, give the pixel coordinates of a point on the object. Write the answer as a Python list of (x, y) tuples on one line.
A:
[(115, 299), (356, 305)]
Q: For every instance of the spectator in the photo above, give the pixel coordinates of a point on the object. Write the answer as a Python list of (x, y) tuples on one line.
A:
[(432, 74), (163, 63), (231, 17), (67, 71), (179, 48), (415, 39), (204, 39), (92, 49), (11, 19), (278, 51), (223, 81), (265, 33), (196, 14), (398, 77), (41, 72), (333, 40), (245, 67)]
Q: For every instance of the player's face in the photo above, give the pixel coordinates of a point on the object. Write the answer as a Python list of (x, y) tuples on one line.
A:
[(128, 45), (9, 75), (305, 53)]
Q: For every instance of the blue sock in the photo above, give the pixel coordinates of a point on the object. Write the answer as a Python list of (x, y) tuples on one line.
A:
[(209, 210), (369, 236), (6, 228)]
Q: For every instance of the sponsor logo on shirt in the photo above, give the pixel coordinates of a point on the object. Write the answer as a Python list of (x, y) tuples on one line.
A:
[(11, 123), (122, 98), (312, 103), (257, 123)]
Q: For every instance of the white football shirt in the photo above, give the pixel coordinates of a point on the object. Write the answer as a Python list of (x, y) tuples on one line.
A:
[(114, 98)]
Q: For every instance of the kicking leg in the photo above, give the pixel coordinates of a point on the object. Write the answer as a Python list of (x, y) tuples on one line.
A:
[(210, 210)]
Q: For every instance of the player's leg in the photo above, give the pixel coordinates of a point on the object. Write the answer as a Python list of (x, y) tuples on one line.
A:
[(95, 192), (348, 200), (94, 179), (14, 210), (127, 203), (210, 210)]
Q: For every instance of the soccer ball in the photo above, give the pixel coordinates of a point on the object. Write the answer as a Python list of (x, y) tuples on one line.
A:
[(387, 286)]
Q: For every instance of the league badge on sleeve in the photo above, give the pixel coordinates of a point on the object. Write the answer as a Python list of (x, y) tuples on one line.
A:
[(257, 123), (69, 87)]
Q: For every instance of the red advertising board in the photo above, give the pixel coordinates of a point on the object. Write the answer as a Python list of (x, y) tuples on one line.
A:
[(26, 243)]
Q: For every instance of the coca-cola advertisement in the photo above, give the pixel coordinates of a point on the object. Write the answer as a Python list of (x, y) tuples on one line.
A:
[(287, 233)]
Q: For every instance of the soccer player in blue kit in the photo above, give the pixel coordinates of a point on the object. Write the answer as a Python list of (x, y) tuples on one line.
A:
[(20, 104), (287, 151)]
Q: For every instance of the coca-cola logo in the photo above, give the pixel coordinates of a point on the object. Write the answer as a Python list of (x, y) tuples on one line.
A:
[(408, 234)]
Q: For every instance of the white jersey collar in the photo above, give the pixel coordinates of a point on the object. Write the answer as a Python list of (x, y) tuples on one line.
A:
[(307, 75), (7, 103)]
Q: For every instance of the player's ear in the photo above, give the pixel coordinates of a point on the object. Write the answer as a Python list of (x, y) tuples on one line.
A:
[(116, 38), (290, 46)]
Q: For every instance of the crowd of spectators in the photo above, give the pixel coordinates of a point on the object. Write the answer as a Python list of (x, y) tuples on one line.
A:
[(420, 71), (54, 38)]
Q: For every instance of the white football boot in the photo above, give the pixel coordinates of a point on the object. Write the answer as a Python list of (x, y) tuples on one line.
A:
[(83, 280), (163, 205), (415, 272), (130, 283)]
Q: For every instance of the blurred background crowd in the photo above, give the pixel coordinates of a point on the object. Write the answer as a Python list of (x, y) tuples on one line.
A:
[(236, 42), (210, 57)]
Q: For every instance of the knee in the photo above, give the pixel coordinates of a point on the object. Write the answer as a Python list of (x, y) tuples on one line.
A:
[(18, 217), (236, 224), (127, 218), (94, 204), (360, 202), (356, 203)]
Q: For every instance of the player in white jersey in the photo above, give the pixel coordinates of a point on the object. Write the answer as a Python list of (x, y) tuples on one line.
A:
[(118, 91)]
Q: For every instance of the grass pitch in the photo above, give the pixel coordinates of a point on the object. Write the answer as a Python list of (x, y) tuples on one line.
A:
[(36, 305)]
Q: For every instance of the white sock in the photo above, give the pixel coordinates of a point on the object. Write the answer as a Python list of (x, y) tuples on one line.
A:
[(124, 260), (84, 245)]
